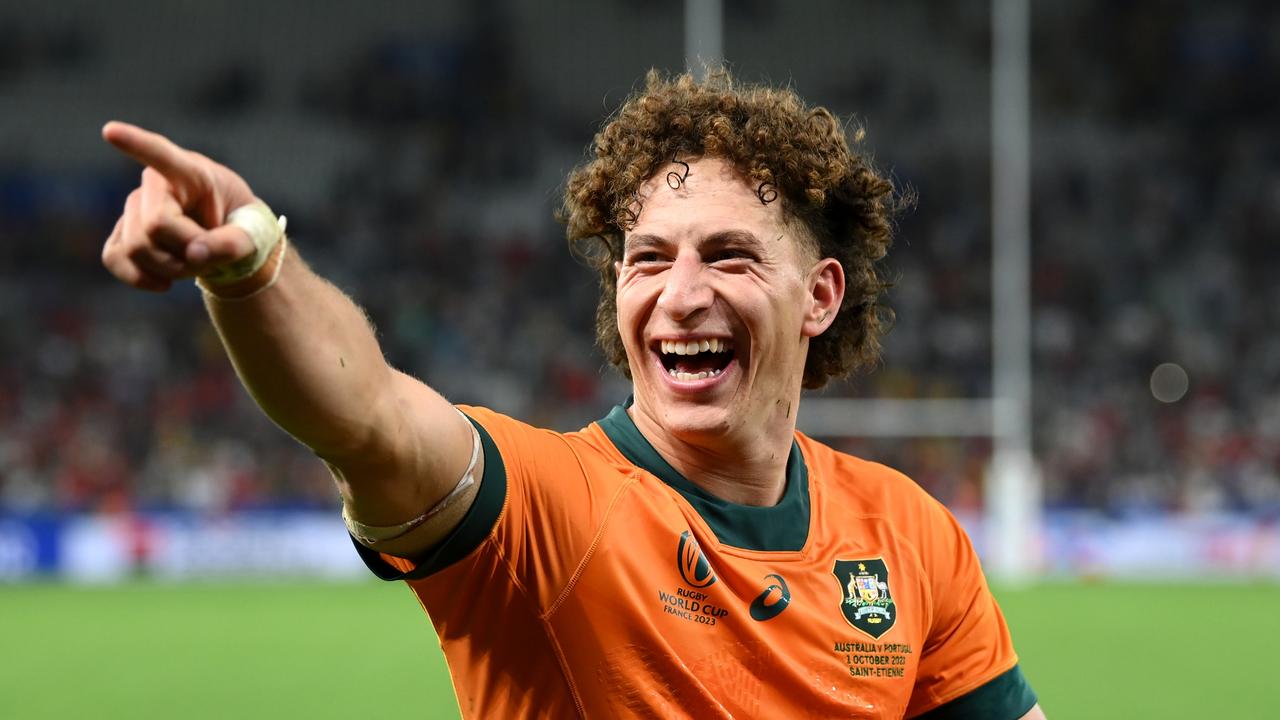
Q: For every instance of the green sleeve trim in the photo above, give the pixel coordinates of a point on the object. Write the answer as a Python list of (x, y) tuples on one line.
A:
[(470, 533), (1007, 697)]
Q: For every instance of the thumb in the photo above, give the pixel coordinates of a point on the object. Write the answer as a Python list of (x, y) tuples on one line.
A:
[(220, 246)]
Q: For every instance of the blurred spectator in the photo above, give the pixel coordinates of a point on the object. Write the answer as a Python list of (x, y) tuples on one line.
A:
[(1156, 220)]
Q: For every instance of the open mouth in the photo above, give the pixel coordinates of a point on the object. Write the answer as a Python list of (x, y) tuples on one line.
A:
[(689, 360)]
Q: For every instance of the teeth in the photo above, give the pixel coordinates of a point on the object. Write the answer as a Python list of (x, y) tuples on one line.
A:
[(692, 347), (686, 377)]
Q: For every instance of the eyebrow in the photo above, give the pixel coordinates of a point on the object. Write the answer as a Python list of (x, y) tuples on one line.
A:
[(716, 239), (646, 240)]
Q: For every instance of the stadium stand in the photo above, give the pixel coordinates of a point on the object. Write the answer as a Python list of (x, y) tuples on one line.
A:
[(420, 167)]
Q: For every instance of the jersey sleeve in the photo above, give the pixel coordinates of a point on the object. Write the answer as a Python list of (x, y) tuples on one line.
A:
[(968, 668), (538, 507)]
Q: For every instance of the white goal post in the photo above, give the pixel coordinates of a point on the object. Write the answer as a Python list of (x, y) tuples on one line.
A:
[(1012, 487)]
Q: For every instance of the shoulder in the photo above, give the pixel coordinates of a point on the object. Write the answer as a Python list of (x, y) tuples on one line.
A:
[(536, 451), (863, 483), (848, 485)]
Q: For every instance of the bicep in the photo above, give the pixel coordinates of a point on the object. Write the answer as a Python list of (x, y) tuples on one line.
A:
[(420, 448)]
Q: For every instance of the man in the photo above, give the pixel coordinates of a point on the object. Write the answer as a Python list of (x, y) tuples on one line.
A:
[(690, 554)]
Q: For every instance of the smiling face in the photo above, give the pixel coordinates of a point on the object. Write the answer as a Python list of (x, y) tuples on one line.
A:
[(717, 296)]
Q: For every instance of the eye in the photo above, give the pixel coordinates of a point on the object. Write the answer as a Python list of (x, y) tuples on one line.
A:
[(729, 256), (645, 258)]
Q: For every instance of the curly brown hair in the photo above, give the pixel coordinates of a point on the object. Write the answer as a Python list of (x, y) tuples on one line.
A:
[(782, 146)]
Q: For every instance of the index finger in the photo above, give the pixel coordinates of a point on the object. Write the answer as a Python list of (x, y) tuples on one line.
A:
[(151, 149)]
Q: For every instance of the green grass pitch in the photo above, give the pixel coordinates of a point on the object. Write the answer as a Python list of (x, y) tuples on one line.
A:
[(149, 650)]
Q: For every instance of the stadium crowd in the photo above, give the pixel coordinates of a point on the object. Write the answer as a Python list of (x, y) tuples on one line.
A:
[(1156, 224)]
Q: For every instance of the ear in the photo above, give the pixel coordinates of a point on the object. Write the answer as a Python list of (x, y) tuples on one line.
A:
[(617, 269), (826, 292)]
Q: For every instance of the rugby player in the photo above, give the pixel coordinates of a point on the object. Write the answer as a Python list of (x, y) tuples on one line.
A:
[(689, 555)]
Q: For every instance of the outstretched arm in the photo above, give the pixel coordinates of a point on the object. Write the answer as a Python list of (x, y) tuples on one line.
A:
[(304, 351)]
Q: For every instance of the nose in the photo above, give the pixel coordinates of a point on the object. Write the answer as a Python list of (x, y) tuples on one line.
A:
[(686, 292)]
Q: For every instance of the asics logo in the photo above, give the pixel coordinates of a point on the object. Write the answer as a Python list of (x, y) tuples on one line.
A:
[(770, 603)]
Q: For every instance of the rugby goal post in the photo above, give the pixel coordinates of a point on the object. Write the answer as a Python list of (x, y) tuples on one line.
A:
[(1012, 514), (1013, 501)]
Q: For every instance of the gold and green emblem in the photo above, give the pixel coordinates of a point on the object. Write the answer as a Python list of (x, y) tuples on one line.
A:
[(866, 602)]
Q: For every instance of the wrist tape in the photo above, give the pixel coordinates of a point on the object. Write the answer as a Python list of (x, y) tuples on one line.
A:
[(265, 230)]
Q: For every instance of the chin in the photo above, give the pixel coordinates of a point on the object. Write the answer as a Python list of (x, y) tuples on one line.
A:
[(686, 417), (688, 420)]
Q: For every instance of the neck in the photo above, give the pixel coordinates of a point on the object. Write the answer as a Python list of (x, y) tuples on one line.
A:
[(746, 466)]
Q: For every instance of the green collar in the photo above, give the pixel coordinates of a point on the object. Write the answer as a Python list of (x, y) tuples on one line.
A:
[(783, 527)]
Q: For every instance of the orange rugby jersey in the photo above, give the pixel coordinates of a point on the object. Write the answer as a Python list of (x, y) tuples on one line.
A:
[(590, 579)]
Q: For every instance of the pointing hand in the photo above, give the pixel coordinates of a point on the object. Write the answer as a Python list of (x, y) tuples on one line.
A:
[(174, 224)]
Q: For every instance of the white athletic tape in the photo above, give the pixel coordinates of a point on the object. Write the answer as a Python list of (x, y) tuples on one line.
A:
[(275, 275), (371, 535), (265, 230)]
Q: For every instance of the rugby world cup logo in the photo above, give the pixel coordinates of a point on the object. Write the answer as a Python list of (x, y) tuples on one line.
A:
[(694, 568)]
